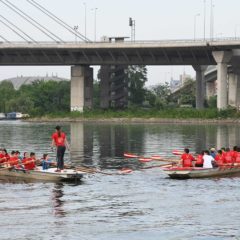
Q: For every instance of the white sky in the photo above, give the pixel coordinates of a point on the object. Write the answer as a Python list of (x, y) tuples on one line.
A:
[(155, 20)]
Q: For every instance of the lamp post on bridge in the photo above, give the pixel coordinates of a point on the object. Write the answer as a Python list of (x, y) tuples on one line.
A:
[(195, 23), (85, 6), (235, 30), (204, 20), (95, 23)]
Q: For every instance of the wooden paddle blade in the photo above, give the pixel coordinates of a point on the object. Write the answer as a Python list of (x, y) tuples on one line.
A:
[(125, 171), (156, 157), (177, 152), (145, 160), (130, 155)]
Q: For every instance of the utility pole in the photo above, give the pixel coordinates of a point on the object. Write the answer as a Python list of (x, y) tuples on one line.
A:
[(132, 24)]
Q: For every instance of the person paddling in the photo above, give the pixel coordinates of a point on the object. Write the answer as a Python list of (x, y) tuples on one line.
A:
[(187, 158), (208, 160), (59, 140)]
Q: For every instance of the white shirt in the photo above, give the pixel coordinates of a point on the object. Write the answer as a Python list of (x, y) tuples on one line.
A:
[(207, 161)]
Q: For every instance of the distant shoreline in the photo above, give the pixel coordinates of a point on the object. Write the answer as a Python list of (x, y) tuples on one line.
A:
[(137, 120)]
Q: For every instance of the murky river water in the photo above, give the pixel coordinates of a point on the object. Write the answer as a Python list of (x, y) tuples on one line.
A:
[(142, 205)]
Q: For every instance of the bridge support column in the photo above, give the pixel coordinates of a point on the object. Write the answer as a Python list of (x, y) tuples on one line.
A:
[(210, 89), (105, 84), (200, 86), (81, 88), (222, 58), (233, 89)]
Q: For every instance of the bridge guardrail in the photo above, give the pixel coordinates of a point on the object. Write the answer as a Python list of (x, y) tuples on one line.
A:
[(197, 41)]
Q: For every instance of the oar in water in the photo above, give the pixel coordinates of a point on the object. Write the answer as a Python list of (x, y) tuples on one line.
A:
[(130, 155), (177, 152), (145, 160)]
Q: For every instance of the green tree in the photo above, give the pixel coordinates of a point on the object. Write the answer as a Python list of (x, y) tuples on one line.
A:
[(7, 92), (137, 77)]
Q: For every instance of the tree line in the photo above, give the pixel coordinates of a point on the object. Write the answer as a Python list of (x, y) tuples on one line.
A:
[(42, 97)]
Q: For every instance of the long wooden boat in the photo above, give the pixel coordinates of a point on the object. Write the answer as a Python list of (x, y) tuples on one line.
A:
[(194, 172), (43, 175)]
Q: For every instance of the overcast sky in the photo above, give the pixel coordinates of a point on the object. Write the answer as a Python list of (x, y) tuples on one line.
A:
[(155, 20)]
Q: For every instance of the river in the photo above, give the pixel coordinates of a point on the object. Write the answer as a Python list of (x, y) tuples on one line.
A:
[(138, 206)]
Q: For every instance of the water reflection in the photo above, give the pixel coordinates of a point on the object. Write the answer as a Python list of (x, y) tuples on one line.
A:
[(103, 145), (58, 203)]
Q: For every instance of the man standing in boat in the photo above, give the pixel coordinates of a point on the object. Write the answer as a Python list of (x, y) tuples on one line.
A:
[(60, 141)]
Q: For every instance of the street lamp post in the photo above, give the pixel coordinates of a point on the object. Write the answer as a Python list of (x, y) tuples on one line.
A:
[(95, 23), (85, 6), (132, 24), (204, 20), (75, 29), (235, 30), (195, 23), (212, 21)]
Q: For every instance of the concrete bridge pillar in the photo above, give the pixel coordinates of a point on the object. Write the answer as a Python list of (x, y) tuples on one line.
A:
[(210, 89), (222, 58), (233, 89), (200, 86), (105, 85), (81, 88)]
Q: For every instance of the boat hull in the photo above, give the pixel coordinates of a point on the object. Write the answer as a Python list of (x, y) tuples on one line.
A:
[(42, 175), (186, 173)]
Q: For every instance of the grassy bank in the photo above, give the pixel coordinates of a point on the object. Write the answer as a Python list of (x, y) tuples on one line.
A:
[(149, 113)]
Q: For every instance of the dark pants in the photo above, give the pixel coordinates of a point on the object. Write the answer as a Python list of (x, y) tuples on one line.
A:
[(60, 157)]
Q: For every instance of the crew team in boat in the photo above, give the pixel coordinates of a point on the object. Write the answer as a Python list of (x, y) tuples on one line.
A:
[(212, 158), (29, 160)]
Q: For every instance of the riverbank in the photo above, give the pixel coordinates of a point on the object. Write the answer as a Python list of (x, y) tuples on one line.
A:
[(137, 120), (184, 116)]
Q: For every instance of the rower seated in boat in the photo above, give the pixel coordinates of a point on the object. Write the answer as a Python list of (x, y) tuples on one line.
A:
[(237, 157), (199, 160), (228, 157), (208, 160), (29, 163), (220, 159), (13, 160), (45, 162), (4, 156), (187, 158)]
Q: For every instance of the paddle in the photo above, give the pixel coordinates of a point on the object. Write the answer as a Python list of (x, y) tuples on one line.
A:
[(130, 155), (145, 160)]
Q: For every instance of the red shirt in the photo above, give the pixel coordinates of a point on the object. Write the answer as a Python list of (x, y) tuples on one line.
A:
[(220, 159), (187, 160), (228, 157), (59, 141), (13, 161), (29, 163), (237, 159), (199, 159), (233, 153)]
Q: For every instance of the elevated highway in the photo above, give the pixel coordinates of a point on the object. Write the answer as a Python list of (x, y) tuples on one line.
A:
[(199, 54)]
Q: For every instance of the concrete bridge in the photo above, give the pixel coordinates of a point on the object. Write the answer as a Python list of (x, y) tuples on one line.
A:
[(116, 51)]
